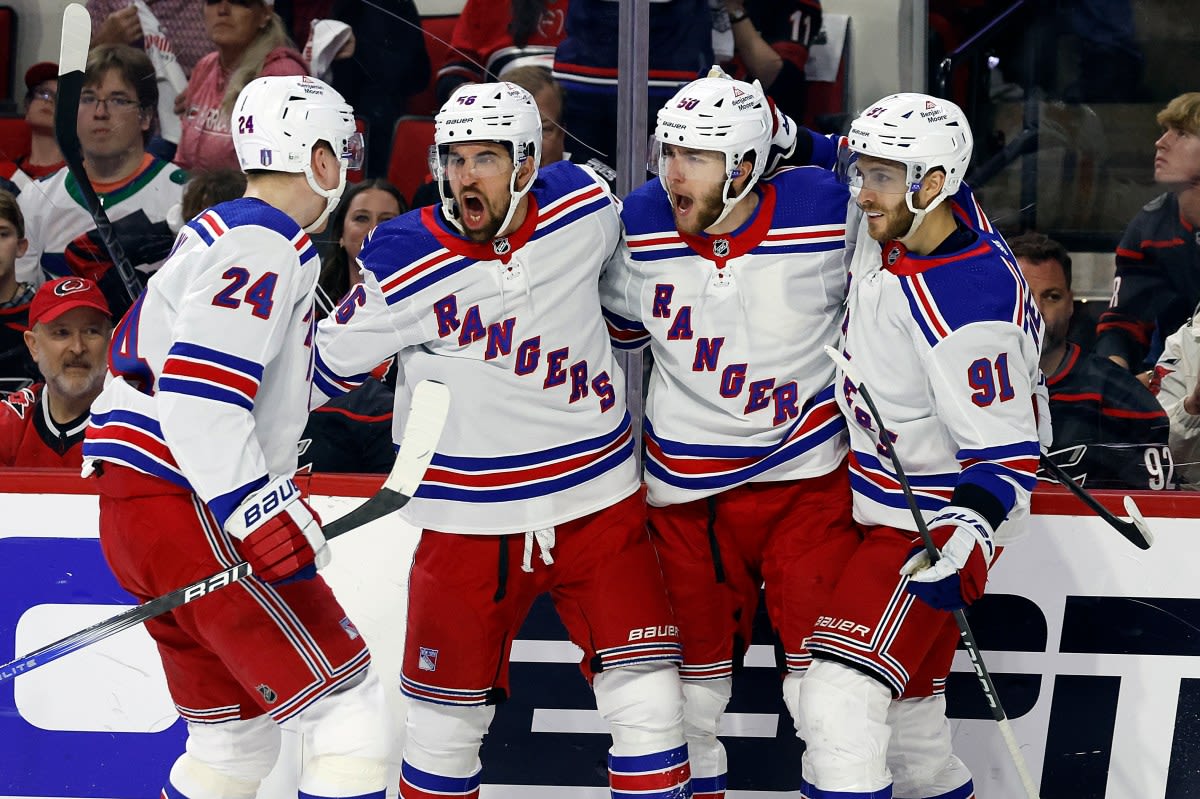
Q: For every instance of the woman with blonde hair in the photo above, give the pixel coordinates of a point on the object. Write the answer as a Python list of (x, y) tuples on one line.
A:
[(251, 42)]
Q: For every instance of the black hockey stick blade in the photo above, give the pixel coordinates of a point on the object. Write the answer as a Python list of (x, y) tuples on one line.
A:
[(426, 418), (72, 60), (1136, 531)]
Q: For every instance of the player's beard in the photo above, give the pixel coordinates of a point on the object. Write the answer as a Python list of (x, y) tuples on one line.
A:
[(489, 224), (895, 222), (702, 213)]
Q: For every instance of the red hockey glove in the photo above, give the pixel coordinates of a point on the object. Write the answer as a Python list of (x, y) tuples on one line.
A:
[(278, 534), (964, 539)]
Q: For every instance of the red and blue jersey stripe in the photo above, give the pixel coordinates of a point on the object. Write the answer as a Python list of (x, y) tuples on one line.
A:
[(199, 371)]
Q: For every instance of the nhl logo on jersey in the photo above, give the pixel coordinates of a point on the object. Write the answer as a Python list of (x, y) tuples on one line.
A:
[(427, 660), (264, 157), (721, 248), (501, 246), (893, 255), (268, 695)]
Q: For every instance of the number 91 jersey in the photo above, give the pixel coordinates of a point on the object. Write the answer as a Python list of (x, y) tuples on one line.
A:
[(210, 370), (947, 345)]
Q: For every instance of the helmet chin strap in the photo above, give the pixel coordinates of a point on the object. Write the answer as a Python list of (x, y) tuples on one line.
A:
[(514, 196), (918, 214), (730, 202), (332, 196)]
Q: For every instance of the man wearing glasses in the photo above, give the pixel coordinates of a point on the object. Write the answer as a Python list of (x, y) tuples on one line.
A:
[(116, 116), (44, 157)]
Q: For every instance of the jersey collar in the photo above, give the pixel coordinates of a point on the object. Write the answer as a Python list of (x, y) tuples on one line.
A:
[(721, 247), (500, 248)]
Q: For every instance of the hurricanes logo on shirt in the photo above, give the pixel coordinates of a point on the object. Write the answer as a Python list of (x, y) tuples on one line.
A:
[(721, 248)]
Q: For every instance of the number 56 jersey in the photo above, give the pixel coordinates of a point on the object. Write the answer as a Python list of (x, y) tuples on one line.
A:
[(210, 370), (947, 345)]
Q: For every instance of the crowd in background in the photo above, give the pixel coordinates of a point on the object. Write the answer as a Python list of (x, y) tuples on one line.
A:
[(154, 127)]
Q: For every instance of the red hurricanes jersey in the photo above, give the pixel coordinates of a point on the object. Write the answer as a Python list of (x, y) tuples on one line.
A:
[(29, 437)]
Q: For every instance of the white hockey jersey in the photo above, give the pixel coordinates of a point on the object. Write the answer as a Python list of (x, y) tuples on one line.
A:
[(538, 432), (947, 345), (211, 367), (55, 213), (741, 390)]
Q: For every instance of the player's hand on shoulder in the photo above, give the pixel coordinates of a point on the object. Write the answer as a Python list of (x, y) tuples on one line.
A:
[(278, 533), (964, 540)]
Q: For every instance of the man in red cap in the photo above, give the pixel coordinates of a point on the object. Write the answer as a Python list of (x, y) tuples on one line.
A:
[(69, 329)]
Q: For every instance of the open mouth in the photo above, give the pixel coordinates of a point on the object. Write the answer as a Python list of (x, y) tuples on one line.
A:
[(472, 210), (683, 204)]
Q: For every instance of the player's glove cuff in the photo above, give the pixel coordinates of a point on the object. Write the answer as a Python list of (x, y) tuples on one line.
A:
[(278, 533), (783, 138), (964, 542)]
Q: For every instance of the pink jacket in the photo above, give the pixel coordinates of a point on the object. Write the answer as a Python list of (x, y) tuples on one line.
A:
[(206, 141)]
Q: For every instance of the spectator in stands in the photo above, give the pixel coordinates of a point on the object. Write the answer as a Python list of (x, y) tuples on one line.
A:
[(492, 36), (585, 63), (388, 63), (1108, 429), (251, 42), (116, 112), (353, 432), (207, 188), (1176, 383), (1157, 283), (363, 206), (43, 425), (44, 157), (181, 23), (17, 367), (771, 40), (548, 94)]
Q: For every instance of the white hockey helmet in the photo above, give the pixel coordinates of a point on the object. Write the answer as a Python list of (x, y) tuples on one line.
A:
[(723, 115), (923, 133), (487, 112), (277, 121)]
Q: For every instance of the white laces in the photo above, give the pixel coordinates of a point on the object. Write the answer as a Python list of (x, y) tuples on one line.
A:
[(545, 541)]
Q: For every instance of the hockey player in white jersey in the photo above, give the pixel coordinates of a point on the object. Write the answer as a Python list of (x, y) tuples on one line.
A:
[(736, 282), (194, 443), (945, 334), (533, 487)]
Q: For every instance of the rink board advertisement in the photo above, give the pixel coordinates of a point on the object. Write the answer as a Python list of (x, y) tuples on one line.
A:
[(1093, 644)]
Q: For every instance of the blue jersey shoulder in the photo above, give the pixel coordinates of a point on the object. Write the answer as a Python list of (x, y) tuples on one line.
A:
[(979, 284), (647, 209), (400, 241), (559, 179), (808, 195), (242, 212)]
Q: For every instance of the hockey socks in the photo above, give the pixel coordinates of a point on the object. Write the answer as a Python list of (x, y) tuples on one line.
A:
[(810, 791), (418, 784), (660, 775), (708, 787), (380, 794)]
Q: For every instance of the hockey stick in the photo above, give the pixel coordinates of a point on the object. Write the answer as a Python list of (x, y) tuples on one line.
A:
[(1136, 531), (427, 416), (964, 628), (72, 60)]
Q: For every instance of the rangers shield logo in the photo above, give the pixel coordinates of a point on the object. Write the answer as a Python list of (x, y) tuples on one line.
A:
[(501, 246), (427, 660), (721, 248)]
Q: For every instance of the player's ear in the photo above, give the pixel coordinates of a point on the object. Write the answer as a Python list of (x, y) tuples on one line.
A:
[(931, 186)]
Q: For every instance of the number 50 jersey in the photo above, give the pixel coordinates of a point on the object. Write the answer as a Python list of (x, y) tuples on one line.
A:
[(210, 370)]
